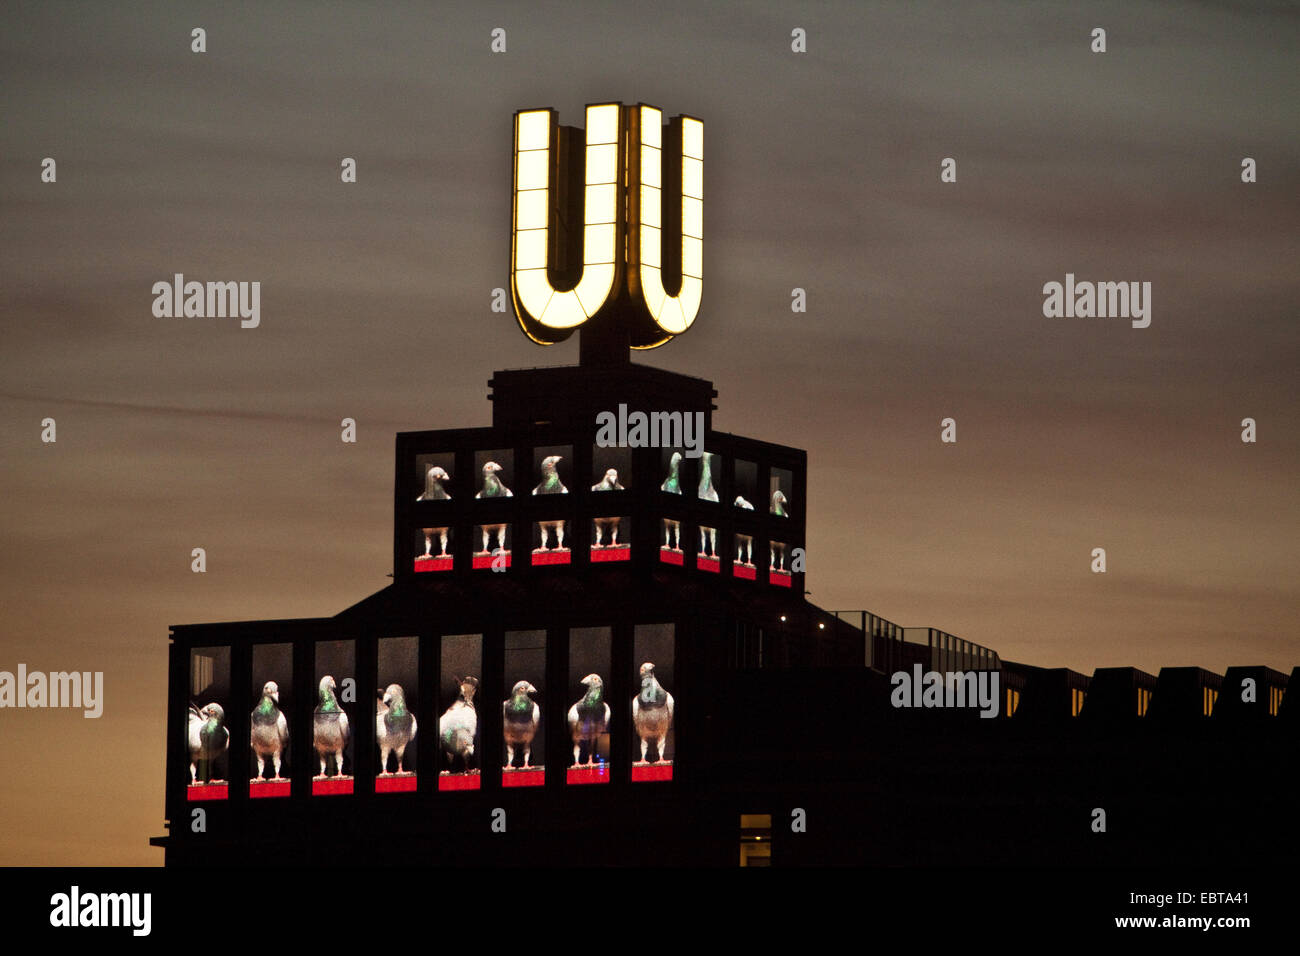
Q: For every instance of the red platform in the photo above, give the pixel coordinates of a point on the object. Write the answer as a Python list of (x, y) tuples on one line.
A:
[(208, 791), (619, 552), (551, 557), (458, 781), (662, 770), (395, 783), (433, 564), (485, 560), (331, 786), (781, 578), (672, 557), (594, 774), (747, 573), (532, 777), (268, 788), (705, 563)]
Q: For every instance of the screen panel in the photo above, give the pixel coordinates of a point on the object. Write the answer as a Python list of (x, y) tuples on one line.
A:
[(653, 707), (458, 739), (333, 723), (589, 716), (396, 704), (269, 732), (207, 732), (523, 757)]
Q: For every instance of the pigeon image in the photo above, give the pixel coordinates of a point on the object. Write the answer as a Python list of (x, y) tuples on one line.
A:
[(394, 727), (209, 738), (777, 551), (459, 724), (433, 489), (428, 543), (707, 491), (269, 733), (609, 482), (778, 504), (330, 727), (492, 486), (520, 717), (589, 718), (712, 535), (744, 542), (551, 485), (652, 713), (672, 528)]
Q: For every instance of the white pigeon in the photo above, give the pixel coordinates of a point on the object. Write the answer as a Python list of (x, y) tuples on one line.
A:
[(395, 727)]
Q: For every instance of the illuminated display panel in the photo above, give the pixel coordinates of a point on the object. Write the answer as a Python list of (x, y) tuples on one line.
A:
[(495, 477), (435, 477), (333, 722), (670, 546), (653, 707), (539, 305), (552, 476), (611, 528), (746, 493), (778, 571), (780, 483), (206, 727), (707, 558), (269, 731), (434, 548), (589, 716), (523, 750), (458, 743), (710, 473), (396, 704)]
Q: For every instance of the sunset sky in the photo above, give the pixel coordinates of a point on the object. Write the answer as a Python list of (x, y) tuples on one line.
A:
[(821, 172)]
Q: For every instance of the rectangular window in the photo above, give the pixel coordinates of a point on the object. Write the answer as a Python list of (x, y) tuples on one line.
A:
[(396, 705), (333, 723), (458, 738), (552, 476), (653, 707), (590, 717), (755, 839), (207, 732), (524, 744), (269, 730)]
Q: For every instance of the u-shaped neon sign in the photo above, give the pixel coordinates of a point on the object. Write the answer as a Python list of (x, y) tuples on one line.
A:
[(637, 189)]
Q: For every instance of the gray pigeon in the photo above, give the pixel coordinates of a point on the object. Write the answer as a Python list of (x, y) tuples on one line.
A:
[(492, 486), (652, 712), (209, 738), (459, 725), (609, 482), (330, 726), (778, 504), (269, 731), (394, 727), (433, 489), (520, 717), (589, 718)]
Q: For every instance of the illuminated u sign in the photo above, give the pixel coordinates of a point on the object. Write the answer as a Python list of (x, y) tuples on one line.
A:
[(564, 274)]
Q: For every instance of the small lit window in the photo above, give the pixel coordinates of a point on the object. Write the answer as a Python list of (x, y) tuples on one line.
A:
[(755, 839)]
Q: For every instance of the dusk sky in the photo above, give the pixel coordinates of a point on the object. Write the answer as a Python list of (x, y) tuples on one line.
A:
[(822, 172)]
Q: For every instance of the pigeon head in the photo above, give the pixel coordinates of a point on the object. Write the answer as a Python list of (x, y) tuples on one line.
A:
[(327, 686), (215, 712), (394, 694), (491, 468), (647, 670), (742, 503), (549, 463), (437, 474), (272, 690), (523, 687), (468, 685), (612, 476), (674, 461), (778, 501), (592, 680)]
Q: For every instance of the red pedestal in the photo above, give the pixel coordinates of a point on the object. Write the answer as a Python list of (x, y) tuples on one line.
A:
[(395, 783), (433, 564), (485, 560), (663, 770), (781, 578), (746, 573), (532, 777), (619, 552), (551, 557), (331, 786), (594, 774), (672, 557), (458, 781), (208, 791), (268, 788), (705, 563)]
